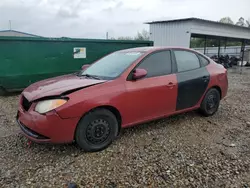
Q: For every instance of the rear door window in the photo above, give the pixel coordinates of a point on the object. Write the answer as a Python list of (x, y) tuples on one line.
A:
[(186, 60), (203, 60)]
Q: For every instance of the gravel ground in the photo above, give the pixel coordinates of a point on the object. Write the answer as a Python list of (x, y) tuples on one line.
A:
[(186, 150)]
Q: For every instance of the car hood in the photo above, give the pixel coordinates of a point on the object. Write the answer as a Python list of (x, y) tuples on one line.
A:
[(58, 85)]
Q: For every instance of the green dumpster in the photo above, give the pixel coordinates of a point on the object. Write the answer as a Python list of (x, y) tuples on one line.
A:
[(25, 60)]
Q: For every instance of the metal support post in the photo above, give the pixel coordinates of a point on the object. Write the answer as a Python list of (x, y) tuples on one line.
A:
[(205, 45)]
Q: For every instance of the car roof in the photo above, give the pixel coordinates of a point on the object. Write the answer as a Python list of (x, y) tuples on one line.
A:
[(153, 48)]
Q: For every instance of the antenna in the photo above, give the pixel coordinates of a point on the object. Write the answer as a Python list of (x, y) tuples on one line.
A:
[(10, 24)]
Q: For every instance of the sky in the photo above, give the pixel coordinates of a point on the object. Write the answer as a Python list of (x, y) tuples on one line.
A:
[(93, 18)]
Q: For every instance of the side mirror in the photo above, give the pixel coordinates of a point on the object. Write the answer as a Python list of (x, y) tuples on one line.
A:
[(139, 73), (85, 66)]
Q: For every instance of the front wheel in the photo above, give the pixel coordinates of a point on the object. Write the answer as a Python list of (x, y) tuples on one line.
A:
[(211, 102), (96, 130)]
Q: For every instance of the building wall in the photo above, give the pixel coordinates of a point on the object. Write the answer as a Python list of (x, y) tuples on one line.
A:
[(14, 34), (170, 34)]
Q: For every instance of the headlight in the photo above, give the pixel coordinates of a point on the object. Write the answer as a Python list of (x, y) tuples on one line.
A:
[(48, 105)]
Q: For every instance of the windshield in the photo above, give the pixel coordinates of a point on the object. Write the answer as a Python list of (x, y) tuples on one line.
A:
[(112, 65)]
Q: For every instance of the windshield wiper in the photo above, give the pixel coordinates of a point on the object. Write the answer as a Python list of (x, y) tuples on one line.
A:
[(91, 76)]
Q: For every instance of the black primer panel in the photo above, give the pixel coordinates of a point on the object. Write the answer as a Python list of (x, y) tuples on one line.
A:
[(191, 86)]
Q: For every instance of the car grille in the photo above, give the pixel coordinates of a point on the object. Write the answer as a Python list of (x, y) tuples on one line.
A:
[(26, 104)]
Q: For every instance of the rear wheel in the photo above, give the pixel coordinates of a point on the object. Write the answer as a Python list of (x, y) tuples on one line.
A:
[(211, 102), (96, 130)]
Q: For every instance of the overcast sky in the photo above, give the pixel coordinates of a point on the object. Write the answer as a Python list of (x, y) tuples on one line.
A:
[(93, 18)]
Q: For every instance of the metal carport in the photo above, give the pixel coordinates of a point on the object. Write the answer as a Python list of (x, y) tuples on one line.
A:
[(178, 32)]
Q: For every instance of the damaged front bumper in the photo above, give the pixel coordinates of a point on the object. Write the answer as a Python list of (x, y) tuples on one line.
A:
[(49, 128)]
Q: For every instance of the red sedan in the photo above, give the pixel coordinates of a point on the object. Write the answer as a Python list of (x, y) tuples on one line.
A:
[(122, 89)]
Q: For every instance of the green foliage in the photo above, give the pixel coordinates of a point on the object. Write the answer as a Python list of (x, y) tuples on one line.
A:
[(125, 38), (200, 43), (227, 20), (241, 22), (143, 35), (248, 23)]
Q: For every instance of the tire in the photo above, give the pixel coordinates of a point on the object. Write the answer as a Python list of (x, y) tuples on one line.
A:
[(210, 103), (96, 130)]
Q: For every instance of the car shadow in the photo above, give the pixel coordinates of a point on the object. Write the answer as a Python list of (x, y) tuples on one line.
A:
[(160, 123), (11, 94)]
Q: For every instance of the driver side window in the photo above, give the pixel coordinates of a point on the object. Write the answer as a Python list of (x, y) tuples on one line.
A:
[(157, 64)]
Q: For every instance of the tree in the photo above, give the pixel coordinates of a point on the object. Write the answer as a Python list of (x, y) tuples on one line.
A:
[(125, 38), (241, 22), (144, 35), (200, 42), (248, 23), (227, 20), (196, 42)]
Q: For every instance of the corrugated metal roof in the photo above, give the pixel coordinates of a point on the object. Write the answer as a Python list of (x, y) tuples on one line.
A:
[(197, 19), (5, 31)]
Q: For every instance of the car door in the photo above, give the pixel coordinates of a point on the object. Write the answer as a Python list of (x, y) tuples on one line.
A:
[(192, 78), (154, 95)]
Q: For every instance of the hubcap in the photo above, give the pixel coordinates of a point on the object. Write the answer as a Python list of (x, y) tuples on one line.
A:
[(98, 131)]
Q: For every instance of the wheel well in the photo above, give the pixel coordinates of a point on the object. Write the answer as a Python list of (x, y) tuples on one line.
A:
[(115, 111), (218, 88)]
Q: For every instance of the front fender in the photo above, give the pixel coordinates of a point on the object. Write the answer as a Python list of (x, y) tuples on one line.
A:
[(82, 101), (77, 107), (78, 110)]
